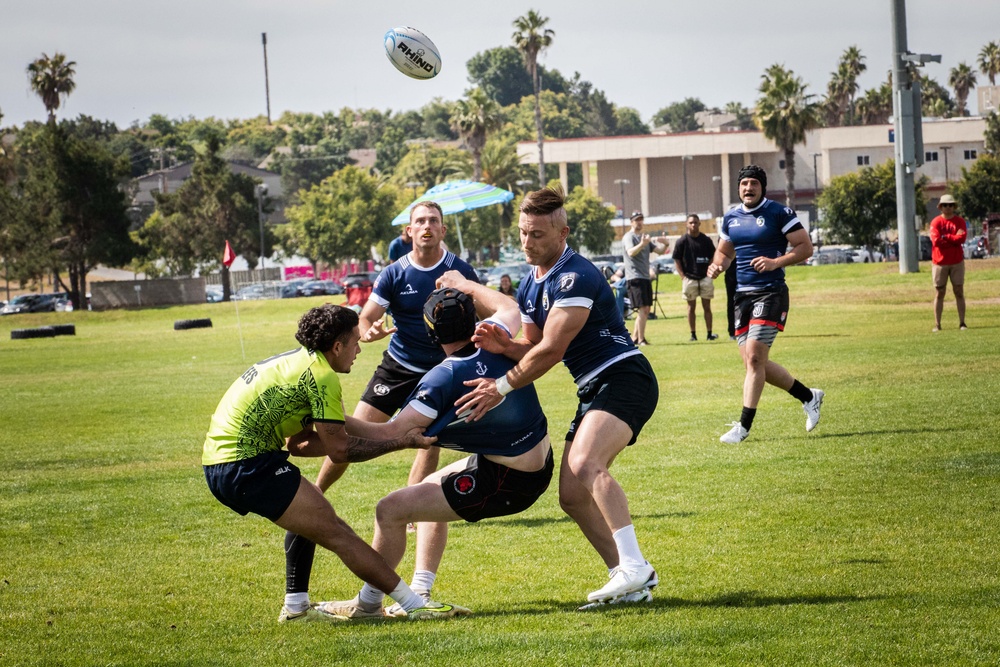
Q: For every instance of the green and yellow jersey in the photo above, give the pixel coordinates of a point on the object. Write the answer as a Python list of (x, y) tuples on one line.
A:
[(272, 400)]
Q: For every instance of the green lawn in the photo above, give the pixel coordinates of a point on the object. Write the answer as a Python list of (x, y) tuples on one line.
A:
[(870, 541)]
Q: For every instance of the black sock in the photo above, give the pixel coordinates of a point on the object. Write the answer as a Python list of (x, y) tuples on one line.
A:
[(299, 554), (746, 419), (801, 392), (709, 333)]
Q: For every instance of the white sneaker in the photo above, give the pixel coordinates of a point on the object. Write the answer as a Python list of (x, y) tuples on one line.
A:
[(645, 595), (396, 610), (623, 582), (734, 435), (307, 615), (811, 408), (437, 611), (348, 610)]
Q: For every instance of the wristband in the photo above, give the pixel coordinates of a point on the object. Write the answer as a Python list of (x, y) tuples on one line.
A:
[(503, 386)]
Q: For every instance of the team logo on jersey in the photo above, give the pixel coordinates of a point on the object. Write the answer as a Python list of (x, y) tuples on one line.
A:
[(408, 290), (789, 211), (529, 307), (760, 221), (545, 302), (380, 389), (481, 368), (464, 484), (784, 315), (566, 282), (758, 309)]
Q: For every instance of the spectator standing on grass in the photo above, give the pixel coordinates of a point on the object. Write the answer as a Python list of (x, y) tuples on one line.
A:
[(693, 253), (948, 232), (291, 404), (506, 286), (756, 236), (401, 245), (570, 314), (636, 247)]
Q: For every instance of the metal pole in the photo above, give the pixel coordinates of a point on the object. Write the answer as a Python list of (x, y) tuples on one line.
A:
[(684, 165), (902, 111), (622, 182), (946, 149), (260, 220), (267, 84)]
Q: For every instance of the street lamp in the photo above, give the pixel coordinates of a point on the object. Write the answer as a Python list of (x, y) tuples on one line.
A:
[(414, 184), (946, 149), (261, 192), (684, 166), (623, 182)]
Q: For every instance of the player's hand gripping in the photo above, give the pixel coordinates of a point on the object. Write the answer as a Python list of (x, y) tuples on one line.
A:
[(491, 337), (480, 400), (416, 439)]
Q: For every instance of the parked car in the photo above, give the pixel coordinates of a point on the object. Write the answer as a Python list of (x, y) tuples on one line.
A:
[(32, 303), (290, 288), (664, 265), (363, 279), (213, 293), (320, 288), (975, 248), (830, 256), (865, 256), (251, 292), (515, 271)]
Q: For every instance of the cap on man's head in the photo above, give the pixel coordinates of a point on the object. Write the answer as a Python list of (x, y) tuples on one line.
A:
[(946, 199), (753, 171), (449, 315), (636, 215)]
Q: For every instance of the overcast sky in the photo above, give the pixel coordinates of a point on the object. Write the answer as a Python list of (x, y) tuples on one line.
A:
[(204, 58)]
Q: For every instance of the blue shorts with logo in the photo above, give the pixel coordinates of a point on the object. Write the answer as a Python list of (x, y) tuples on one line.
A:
[(265, 484)]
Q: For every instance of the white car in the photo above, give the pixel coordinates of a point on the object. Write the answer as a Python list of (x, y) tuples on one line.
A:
[(864, 255)]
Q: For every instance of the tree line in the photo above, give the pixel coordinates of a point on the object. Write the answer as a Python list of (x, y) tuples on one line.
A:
[(65, 204)]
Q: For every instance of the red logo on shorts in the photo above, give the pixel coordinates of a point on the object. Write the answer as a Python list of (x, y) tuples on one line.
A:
[(465, 484)]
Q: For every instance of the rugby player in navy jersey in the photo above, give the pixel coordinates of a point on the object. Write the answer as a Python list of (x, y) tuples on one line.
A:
[(403, 287), (757, 235), (511, 459), (569, 313)]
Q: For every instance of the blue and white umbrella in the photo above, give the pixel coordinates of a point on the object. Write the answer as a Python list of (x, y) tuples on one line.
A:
[(456, 197)]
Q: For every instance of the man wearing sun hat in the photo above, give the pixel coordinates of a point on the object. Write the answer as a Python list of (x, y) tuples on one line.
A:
[(948, 232)]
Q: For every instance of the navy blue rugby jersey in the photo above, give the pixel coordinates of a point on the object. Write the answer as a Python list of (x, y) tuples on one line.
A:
[(575, 281), (402, 288), (513, 427), (759, 232)]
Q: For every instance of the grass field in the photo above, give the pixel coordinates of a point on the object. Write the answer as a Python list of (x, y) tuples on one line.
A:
[(871, 541)]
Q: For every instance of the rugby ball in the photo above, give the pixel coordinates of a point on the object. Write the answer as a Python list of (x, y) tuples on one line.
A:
[(412, 53)]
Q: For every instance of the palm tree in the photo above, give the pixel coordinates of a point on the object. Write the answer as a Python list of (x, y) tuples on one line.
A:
[(854, 66), (52, 80), (531, 37), (784, 114), (474, 118), (875, 106), (989, 61), (962, 79)]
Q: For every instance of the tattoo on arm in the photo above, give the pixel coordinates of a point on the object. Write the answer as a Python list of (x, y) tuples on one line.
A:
[(363, 449)]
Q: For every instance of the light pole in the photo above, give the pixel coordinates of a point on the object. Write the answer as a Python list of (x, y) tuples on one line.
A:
[(684, 168), (816, 191), (945, 149), (414, 184), (261, 192), (623, 182)]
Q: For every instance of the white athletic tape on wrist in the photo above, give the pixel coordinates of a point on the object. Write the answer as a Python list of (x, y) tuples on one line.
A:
[(503, 387)]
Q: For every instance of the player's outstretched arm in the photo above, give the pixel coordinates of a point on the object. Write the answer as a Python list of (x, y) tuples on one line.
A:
[(356, 440), (370, 323), (724, 254)]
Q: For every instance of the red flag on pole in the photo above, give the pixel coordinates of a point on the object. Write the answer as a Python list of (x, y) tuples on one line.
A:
[(228, 256)]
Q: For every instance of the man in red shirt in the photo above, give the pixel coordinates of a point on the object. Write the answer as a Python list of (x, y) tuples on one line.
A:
[(948, 233)]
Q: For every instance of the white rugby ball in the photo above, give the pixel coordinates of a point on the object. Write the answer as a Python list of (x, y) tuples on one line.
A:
[(412, 53)]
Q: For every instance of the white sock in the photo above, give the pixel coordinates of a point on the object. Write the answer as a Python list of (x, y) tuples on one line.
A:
[(423, 581), (370, 596), (629, 554), (406, 598), (296, 602)]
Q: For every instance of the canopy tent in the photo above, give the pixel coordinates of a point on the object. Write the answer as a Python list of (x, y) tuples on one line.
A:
[(456, 197)]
